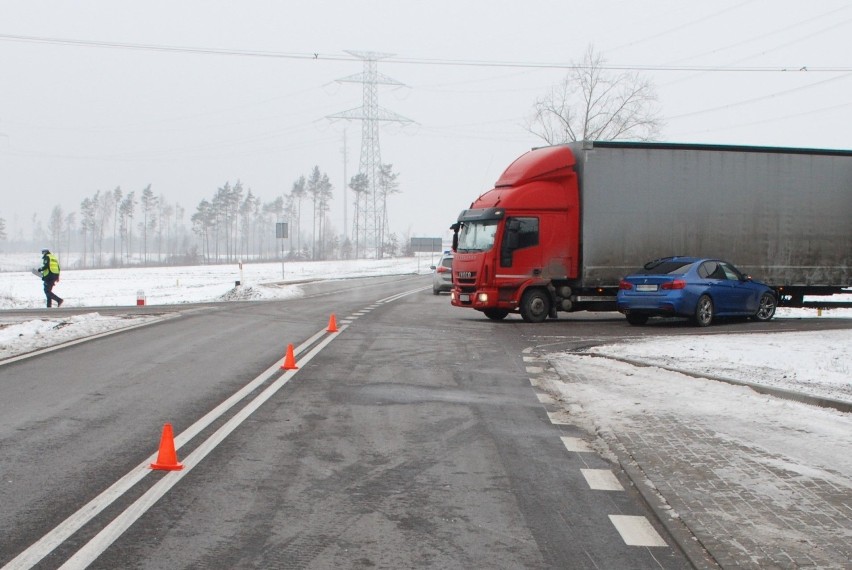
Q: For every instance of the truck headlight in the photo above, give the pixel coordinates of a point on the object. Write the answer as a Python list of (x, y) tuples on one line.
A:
[(482, 297)]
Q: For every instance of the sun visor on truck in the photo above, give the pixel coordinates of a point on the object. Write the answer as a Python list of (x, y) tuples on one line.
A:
[(481, 214), (539, 164)]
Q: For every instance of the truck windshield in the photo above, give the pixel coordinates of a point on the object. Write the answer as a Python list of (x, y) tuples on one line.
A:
[(477, 236)]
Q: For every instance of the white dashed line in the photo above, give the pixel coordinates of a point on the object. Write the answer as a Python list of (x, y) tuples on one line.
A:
[(559, 418), (545, 398), (636, 531), (601, 480), (575, 444)]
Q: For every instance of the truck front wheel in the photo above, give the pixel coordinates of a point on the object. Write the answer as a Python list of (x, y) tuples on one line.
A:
[(496, 314), (535, 305)]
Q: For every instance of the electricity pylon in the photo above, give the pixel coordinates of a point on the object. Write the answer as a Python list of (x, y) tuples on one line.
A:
[(367, 222)]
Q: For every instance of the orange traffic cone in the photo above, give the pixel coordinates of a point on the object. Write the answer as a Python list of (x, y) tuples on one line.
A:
[(289, 360), (166, 457), (332, 324)]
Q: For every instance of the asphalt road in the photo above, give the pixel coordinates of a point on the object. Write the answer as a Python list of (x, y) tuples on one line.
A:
[(410, 438)]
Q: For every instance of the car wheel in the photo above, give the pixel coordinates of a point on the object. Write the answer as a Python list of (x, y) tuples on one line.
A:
[(637, 319), (435, 291), (704, 311), (766, 310), (535, 305), (496, 314)]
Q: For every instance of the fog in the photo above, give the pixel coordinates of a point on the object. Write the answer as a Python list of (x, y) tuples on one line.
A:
[(188, 96)]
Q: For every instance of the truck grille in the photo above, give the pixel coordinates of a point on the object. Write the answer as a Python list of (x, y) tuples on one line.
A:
[(466, 278)]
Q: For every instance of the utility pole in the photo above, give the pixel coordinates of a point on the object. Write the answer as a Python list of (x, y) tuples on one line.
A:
[(370, 115), (345, 185)]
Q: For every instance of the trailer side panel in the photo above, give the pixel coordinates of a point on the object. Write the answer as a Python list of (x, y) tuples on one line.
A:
[(783, 217)]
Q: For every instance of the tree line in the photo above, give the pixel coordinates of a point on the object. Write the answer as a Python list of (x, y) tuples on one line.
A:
[(119, 228)]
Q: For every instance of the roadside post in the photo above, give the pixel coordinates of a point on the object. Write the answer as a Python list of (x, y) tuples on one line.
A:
[(281, 233)]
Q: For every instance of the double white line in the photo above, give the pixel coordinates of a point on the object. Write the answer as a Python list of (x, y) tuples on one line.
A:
[(98, 544)]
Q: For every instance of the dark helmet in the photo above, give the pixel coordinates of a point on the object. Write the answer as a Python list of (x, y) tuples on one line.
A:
[(45, 250)]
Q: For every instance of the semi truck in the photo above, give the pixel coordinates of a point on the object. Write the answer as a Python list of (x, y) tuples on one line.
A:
[(563, 224)]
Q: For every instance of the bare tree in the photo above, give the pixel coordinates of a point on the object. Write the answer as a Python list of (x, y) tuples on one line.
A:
[(594, 103), (202, 221), (116, 203), (387, 185), (298, 192), (149, 218), (104, 212), (360, 185), (57, 225), (126, 211)]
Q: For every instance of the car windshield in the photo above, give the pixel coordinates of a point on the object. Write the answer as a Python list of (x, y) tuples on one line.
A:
[(477, 236), (665, 267)]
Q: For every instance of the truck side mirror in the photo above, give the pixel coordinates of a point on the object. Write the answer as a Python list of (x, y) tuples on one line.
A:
[(455, 227)]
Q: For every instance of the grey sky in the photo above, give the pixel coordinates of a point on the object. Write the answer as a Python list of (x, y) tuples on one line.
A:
[(76, 118)]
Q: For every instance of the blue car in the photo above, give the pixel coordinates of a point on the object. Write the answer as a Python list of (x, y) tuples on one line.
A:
[(697, 288)]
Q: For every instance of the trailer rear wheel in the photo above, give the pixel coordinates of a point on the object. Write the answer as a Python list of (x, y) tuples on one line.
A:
[(535, 305), (704, 311), (496, 314), (766, 310), (637, 319)]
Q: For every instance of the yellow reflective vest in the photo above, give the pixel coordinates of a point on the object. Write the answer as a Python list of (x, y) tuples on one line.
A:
[(51, 265)]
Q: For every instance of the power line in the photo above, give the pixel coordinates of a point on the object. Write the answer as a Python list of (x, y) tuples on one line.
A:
[(756, 99), (411, 60)]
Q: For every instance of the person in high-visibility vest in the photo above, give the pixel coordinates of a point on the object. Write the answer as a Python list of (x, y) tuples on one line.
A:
[(50, 276)]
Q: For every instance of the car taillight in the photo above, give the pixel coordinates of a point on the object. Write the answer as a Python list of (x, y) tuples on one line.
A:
[(442, 269), (625, 285), (672, 285)]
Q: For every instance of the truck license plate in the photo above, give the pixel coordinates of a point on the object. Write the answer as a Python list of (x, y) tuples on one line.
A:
[(464, 298), (646, 288)]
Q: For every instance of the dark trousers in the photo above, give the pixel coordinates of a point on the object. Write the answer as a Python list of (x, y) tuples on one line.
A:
[(49, 282)]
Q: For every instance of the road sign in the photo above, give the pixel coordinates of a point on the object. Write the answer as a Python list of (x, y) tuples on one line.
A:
[(425, 244), (281, 230)]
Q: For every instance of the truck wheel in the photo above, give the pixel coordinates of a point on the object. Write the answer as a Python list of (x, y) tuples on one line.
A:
[(704, 311), (496, 314), (637, 319), (766, 310), (535, 305)]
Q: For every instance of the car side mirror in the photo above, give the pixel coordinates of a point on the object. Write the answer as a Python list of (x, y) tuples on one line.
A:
[(432, 267)]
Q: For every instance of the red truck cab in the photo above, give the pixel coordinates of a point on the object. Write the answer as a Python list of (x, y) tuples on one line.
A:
[(517, 246)]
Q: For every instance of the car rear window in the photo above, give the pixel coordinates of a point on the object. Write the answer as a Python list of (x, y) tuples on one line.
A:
[(447, 262), (665, 268)]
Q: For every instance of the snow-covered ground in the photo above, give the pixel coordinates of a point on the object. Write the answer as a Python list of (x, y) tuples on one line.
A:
[(158, 286), (818, 363)]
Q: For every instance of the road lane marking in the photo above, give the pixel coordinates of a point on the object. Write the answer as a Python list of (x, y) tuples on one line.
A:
[(46, 544), (601, 480), (636, 531), (545, 398), (559, 418), (575, 444), (100, 542), (400, 295)]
